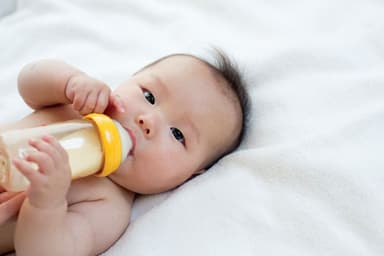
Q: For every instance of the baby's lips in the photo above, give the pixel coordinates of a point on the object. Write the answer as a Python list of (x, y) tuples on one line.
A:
[(133, 139)]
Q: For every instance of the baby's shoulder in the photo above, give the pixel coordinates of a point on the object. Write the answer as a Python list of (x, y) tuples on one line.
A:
[(43, 116), (91, 189)]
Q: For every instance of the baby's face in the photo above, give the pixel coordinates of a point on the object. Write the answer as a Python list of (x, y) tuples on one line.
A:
[(180, 119)]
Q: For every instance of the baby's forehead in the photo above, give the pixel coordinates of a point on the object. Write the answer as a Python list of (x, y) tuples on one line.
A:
[(180, 59), (190, 63), (204, 70)]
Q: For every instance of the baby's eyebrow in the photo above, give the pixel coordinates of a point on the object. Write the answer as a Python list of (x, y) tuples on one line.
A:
[(160, 82), (195, 132)]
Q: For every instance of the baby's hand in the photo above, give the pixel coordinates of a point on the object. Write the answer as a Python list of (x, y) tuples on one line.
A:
[(50, 181), (87, 94)]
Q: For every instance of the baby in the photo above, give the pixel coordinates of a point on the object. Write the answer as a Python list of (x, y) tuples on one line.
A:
[(184, 113)]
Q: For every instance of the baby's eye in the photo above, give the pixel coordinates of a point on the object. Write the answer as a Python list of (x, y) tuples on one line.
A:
[(178, 135), (149, 96)]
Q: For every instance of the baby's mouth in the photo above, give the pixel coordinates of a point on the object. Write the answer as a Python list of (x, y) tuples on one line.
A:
[(133, 139)]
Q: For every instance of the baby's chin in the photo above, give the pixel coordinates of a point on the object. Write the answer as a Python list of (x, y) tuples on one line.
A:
[(131, 185), (136, 182), (139, 188)]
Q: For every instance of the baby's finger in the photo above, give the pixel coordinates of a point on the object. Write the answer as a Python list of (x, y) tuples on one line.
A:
[(44, 162), (102, 102), (58, 152), (44, 145), (90, 103), (29, 170), (70, 93), (79, 100)]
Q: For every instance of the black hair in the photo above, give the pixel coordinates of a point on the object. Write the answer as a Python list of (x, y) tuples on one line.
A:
[(230, 72)]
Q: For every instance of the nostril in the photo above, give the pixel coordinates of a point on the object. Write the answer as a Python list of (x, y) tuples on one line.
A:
[(147, 131), (141, 121)]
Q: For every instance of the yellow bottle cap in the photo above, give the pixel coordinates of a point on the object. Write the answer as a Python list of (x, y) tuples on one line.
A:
[(110, 142)]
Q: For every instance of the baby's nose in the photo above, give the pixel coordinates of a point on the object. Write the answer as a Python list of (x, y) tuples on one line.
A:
[(147, 125)]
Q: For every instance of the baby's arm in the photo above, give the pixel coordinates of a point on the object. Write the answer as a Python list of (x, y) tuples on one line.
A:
[(51, 82), (47, 226), (88, 228)]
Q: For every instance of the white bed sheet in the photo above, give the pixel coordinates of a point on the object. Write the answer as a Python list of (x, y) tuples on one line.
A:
[(309, 179)]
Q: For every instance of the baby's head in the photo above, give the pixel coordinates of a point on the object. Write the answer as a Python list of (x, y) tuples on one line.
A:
[(184, 113)]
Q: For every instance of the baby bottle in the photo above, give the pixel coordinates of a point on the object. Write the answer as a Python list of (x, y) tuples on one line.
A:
[(95, 144)]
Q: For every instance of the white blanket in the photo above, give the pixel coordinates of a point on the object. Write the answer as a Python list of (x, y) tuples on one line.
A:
[(309, 178)]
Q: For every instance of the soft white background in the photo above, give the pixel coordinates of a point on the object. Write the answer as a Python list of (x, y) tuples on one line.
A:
[(309, 179)]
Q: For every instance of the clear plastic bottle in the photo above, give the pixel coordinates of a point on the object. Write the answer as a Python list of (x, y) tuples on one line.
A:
[(95, 145)]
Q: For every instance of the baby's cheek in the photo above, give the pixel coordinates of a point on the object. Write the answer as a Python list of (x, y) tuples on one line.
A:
[(160, 160)]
